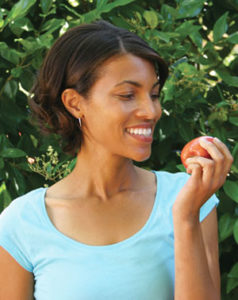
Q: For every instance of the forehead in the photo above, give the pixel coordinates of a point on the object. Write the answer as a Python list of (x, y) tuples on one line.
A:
[(126, 67)]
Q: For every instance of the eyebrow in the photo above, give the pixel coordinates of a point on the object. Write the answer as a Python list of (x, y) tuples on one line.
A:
[(135, 83)]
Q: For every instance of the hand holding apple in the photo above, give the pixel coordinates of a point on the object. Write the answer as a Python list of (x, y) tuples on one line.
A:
[(208, 160), (193, 148)]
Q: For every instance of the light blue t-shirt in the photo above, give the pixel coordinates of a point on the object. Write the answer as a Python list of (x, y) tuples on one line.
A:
[(138, 268)]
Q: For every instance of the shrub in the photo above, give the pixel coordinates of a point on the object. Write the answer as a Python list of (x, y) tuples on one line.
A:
[(199, 41)]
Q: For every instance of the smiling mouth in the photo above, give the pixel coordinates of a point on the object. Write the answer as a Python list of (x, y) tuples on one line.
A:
[(146, 132), (142, 135)]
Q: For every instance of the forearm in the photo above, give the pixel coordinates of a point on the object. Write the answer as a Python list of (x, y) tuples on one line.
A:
[(192, 277)]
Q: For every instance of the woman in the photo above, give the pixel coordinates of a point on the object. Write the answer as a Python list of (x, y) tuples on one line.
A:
[(111, 230)]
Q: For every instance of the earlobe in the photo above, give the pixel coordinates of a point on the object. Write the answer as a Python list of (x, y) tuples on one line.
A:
[(71, 100)]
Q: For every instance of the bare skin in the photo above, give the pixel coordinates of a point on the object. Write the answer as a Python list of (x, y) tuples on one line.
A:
[(16, 282), (105, 187), (96, 222)]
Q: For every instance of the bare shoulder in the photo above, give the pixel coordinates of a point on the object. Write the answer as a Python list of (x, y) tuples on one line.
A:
[(15, 281)]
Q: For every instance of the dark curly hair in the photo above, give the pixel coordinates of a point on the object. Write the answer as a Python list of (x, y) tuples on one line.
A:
[(72, 62)]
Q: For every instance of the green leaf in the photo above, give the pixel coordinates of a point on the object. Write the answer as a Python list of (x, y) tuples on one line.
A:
[(12, 153), (45, 40), (233, 120), (11, 113), (20, 25), (187, 28), (72, 164), (52, 25), (1, 163), (10, 89), (196, 38), (234, 271), (29, 44), (19, 10), (16, 72), (220, 27), (163, 36), (232, 281), (231, 189), (101, 3), (19, 181), (10, 54), (4, 142), (5, 197), (151, 18), (233, 38), (1, 19), (73, 11), (226, 223), (168, 12), (45, 5), (189, 8), (179, 61), (235, 156), (109, 6), (36, 64), (185, 130), (235, 231), (181, 168), (96, 13), (121, 22), (229, 79)]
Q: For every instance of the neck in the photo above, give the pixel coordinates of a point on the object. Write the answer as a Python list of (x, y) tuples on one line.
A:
[(103, 175)]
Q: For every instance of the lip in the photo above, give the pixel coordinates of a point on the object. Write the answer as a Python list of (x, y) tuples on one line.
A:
[(141, 138)]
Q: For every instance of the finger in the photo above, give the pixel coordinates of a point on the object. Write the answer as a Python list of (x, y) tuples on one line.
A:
[(220, 172), (214, 151), (223, 149), (207, 168), (195, 170)]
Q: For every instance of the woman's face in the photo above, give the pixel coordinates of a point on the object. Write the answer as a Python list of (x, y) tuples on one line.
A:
[(123, 108)]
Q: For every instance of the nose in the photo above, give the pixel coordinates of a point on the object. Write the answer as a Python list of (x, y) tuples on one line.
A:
[(149, 108)]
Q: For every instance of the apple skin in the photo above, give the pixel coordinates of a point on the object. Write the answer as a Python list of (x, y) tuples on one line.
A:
[(193, 148)]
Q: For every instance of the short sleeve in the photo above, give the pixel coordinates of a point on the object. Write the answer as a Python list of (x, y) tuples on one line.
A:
[(172, 183), (208, 207), (12, 235)]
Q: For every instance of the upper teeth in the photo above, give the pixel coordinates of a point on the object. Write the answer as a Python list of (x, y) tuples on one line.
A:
[(140, 131)]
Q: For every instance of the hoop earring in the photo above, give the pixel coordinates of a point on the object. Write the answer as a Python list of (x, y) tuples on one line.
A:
[(80, 122)]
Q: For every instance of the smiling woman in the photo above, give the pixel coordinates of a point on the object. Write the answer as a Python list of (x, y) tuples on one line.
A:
[(111, 230), (74, 62)]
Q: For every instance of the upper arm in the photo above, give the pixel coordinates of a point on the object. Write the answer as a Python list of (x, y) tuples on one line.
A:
[(209, 230), (15, 281)]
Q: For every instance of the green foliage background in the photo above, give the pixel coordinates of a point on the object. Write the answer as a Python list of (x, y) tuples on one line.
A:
[(199, 41)]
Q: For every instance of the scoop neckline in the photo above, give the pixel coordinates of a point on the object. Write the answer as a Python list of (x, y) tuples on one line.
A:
[(124, 242)]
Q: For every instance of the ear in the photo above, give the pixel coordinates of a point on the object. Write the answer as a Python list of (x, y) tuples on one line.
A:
[(72, 100)]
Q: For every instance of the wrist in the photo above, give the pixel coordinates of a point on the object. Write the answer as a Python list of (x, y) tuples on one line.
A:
[(181, 216)]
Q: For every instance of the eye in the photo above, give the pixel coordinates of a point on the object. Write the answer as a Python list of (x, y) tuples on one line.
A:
[(155, 96), (127, 96)]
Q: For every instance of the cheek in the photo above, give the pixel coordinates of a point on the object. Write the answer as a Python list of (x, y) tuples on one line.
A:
[(159, 110)]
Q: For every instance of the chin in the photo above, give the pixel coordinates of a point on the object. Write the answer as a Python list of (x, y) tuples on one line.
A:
[(140, 157)]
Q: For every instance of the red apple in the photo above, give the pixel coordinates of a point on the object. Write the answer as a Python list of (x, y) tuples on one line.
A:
[(193, 148)]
